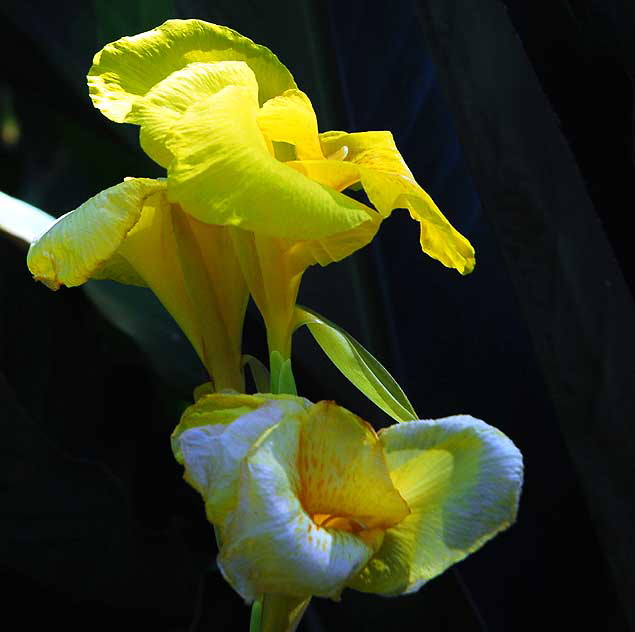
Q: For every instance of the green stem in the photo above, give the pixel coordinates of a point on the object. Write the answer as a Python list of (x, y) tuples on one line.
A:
[(256, 616)]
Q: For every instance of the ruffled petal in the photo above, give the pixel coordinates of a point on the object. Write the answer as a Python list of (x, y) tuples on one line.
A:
[(125, 70), (223, 173), (461, 479), (270, 544), (84, 243), (215, 434), (290, 118), (168, 100), (372, 159)]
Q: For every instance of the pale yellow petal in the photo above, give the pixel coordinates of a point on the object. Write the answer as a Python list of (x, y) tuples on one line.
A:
[(125, 70), (216, 433), (461, 479), (85, 242)]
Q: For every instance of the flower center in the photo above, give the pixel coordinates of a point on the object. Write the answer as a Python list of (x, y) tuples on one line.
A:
[(342, 523)]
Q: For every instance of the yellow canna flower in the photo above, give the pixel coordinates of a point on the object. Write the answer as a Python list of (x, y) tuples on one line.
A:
[(133, 234), (241, 147), (308, 499)]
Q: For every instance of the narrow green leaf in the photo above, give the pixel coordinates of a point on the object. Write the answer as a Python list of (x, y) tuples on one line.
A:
[(357, 364), (138, 313), (22, 220), (282, 380), (259, 372), (133, 310)]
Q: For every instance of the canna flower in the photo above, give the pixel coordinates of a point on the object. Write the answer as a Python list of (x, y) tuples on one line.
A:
[(241, 147), (131, 233), (308, 499)]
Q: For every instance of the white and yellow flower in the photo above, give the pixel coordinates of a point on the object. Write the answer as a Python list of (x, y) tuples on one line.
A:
[(308, 499)]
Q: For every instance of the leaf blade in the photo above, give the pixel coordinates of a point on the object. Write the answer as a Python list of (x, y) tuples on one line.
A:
[(357, 364)]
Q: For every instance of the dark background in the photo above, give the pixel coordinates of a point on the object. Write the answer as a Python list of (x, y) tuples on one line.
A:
[(517, 118)]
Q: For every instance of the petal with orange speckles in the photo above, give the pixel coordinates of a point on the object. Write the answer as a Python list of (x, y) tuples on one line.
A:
[(271, 544)]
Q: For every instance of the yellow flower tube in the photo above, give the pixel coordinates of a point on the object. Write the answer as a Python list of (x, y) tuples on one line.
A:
[(132, 234), (308, 499), (241, 146)]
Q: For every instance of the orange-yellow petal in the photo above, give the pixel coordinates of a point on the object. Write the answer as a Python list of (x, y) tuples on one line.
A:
[(343, 472)]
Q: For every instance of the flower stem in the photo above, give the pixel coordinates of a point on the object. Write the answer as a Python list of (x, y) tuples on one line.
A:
[(256, 616)]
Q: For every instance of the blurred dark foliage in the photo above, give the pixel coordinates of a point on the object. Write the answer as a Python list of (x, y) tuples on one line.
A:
[(97, 528)]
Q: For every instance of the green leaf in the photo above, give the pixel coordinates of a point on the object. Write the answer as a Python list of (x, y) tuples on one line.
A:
[(357, 364), (282, 380), (259, 372), (138, 313), (133, 310)]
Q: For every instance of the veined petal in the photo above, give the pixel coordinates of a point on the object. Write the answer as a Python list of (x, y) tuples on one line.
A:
[(270, 544), (389, 184), (290, 118), (215, 434), (168, 100), (223, 174), (84, 243), (343, 470), (129, 68), (461, 479)]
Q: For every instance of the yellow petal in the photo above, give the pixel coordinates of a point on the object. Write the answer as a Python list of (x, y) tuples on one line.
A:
[(215, 434), (223, 173), (131, 234), (179, 260), (461, 479), (270, 544), (168, 100), (290, 118), (83, 244), (335, 174), (373, 159), (273, 283), (125, 70), (343, 471)]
